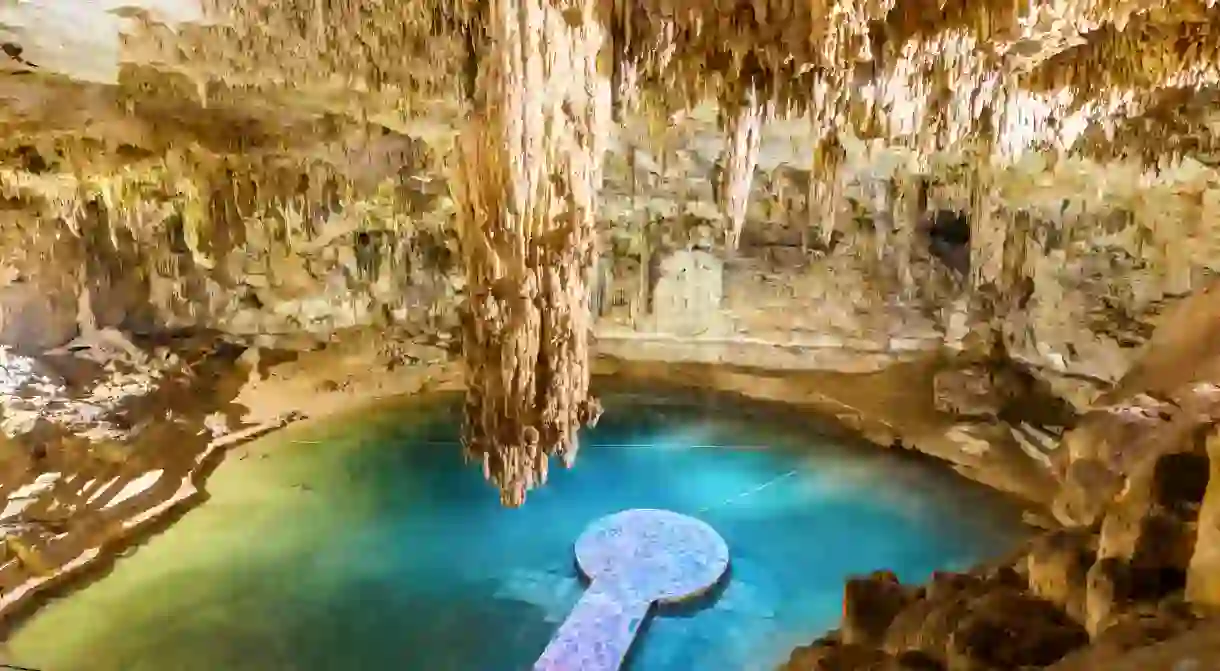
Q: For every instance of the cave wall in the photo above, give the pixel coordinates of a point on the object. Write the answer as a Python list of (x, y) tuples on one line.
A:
[(261, 249), (312, 225), (265, 253)]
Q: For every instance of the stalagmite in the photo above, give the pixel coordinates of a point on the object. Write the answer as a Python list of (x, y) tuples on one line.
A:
[(526, 181)]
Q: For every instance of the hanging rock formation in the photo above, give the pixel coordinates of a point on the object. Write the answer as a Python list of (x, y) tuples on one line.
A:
[(526, 182)]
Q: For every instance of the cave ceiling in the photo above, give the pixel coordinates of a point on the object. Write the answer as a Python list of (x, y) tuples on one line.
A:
[(1098, 101)]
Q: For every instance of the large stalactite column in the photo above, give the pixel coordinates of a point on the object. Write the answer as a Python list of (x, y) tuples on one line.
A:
[(526, 181)]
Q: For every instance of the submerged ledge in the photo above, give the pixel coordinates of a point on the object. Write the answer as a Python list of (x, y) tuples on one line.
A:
[(22, 600), (885, 407), (826, 353)]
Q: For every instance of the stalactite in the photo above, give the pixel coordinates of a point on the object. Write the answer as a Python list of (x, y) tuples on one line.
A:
[(741, 158), (624, 79), (1018, 272), (1175, 232), (907, 211), (643, 42), (986, 233), (640, 305), (526, 185), (883, 221), (825, 187)]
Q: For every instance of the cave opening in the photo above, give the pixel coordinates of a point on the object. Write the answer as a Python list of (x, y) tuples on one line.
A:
[(948, 239)]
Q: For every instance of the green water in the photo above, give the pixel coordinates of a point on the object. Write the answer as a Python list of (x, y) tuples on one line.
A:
[(367, 544)]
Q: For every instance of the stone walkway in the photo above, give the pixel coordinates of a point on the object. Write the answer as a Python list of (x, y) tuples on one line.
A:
[(633, 559)]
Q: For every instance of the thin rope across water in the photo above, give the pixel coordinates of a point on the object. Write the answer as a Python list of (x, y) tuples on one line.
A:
[(624, 446), (733, 500), (730, 501)]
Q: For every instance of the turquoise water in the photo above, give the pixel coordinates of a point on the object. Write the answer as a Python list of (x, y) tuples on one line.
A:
[(369, 545)]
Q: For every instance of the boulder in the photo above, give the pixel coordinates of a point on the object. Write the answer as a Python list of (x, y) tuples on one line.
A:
[(1109, 445), (1153, 644), (1057, 566), (34, 318), (1007, 629), (1151, 526), (870, 604), (1203, 573), (830, 654), (1087, 488), (927, 623), (1107, 592)]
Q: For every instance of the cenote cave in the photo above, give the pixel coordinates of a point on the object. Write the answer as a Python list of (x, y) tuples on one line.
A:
[(331, 329), (364, 543)]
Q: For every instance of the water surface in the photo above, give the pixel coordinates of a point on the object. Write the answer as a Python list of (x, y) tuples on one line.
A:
[(367, 544)]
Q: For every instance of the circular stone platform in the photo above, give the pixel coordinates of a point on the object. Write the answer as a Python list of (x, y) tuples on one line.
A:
[(652, 555)]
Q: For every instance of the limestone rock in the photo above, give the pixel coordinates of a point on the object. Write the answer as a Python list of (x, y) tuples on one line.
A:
[(1151, 526), (33, 319), (1131, 631), (1172, 649), (214, 181), (829, 654), (1057, 567), (870, 604), (1086, 489), (248, 361), (836, 656), (1203, 575), (983, 621), (972, 392), (1108, 588), (689, 293), (1113, 443), (927, 623), (1006, 629)]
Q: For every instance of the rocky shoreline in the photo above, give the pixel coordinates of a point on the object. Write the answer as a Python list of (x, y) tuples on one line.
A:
[(1130, 581), (1072, 598)]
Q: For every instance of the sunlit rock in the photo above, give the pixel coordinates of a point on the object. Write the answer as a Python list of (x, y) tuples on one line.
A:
[(1203, 574)]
